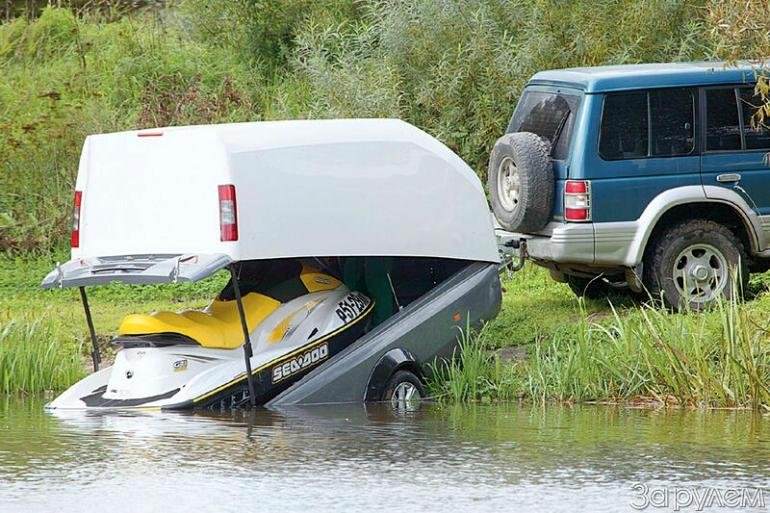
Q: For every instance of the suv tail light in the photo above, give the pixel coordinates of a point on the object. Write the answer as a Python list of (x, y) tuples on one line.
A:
[(577, 200), (75, 235), (228, 213)]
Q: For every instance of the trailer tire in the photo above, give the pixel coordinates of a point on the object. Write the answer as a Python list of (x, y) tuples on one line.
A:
[(520, 182), (404, 391)]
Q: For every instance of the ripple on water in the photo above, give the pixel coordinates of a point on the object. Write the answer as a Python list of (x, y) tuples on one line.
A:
[(366, 457)]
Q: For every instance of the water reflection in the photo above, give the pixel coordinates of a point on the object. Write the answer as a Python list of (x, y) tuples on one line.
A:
[(368, 457)]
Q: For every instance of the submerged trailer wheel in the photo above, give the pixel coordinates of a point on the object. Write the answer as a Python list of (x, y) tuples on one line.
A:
[(404, 391)]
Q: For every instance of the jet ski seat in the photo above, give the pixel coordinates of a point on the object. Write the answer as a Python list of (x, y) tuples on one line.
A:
[(219, 326)]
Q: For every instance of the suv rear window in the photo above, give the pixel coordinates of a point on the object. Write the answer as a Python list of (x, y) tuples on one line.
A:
[(548, 115), (641, 124)]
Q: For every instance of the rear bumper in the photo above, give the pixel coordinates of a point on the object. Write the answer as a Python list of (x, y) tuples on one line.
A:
[(562, 243)]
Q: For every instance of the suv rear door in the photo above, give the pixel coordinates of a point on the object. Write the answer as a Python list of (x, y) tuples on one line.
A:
[(735, 153), (550, 113)]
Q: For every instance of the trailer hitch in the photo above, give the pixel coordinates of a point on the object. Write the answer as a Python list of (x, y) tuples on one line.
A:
[(513, 255)]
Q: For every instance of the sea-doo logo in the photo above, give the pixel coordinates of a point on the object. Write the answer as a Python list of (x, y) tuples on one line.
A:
[(351, 306), (180, 365), (299, 363)]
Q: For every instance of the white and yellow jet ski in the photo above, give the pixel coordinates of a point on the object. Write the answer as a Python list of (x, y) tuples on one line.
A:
[(297, 318)]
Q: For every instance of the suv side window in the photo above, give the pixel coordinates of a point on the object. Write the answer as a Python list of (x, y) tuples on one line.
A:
[(672, 112), (723, 126), (656, 123), (757, 137), (624, 126)]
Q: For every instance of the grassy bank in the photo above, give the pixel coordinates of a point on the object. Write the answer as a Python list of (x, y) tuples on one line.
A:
[(622, 352)]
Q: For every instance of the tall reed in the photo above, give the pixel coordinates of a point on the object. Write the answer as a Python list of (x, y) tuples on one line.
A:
[(474, 373), (719, 358), (36, 356)]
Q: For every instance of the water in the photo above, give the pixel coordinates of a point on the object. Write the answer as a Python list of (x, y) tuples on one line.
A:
[(367, 458)]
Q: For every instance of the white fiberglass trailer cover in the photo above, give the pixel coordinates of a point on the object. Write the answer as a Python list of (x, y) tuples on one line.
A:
[(301, 189), (178, 204)]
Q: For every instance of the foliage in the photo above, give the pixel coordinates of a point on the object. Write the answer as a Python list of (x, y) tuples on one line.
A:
[(452, 67), (64, 78), (474, 373)]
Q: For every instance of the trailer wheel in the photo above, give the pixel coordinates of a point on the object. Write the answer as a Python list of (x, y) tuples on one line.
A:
[(404, 391)]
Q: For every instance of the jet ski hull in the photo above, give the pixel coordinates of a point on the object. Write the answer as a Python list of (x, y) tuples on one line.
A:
[(185, 375)]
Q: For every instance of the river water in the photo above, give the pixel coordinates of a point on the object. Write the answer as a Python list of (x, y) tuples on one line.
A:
[(368, 458)]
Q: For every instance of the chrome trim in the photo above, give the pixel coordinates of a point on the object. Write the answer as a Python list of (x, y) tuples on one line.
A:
[(568, 242)]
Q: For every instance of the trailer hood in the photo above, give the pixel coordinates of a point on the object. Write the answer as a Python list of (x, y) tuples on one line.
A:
[(134, 269), (298, 189)]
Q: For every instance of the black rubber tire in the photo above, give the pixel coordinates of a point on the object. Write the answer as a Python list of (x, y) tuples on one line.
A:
[(659, 260), (530, 155), (589, 288), (402, 376)]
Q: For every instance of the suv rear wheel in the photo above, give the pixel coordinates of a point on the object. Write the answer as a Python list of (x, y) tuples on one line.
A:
[(589, 288), (694, 263)]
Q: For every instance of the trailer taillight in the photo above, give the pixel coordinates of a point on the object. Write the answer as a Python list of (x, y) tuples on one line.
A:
[(228, 213), (75, 235), (577, 200)]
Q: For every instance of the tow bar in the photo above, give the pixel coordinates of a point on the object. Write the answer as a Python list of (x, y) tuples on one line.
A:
[(513, 254)]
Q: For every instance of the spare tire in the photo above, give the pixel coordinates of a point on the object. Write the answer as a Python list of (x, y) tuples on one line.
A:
[(520, 181)]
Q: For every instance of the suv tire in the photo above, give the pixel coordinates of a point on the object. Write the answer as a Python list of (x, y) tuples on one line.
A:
[(589, 288), (520, 182), (692, 264)]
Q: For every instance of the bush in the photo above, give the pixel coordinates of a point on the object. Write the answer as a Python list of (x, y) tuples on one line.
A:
[(456, 68), (452, 67), (140, 71)]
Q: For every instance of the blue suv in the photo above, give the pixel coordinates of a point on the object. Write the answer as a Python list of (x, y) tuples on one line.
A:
[(650, 177)]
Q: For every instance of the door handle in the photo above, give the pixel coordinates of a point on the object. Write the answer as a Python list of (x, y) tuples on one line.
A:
[(728, 178)]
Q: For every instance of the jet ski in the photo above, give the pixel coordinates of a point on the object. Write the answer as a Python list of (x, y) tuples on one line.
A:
[(297, 316)]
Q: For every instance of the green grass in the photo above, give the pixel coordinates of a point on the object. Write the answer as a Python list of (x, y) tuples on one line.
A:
[(37, 355), (630, 353)]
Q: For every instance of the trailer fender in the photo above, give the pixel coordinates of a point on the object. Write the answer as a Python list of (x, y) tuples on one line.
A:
[(393, 360)]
